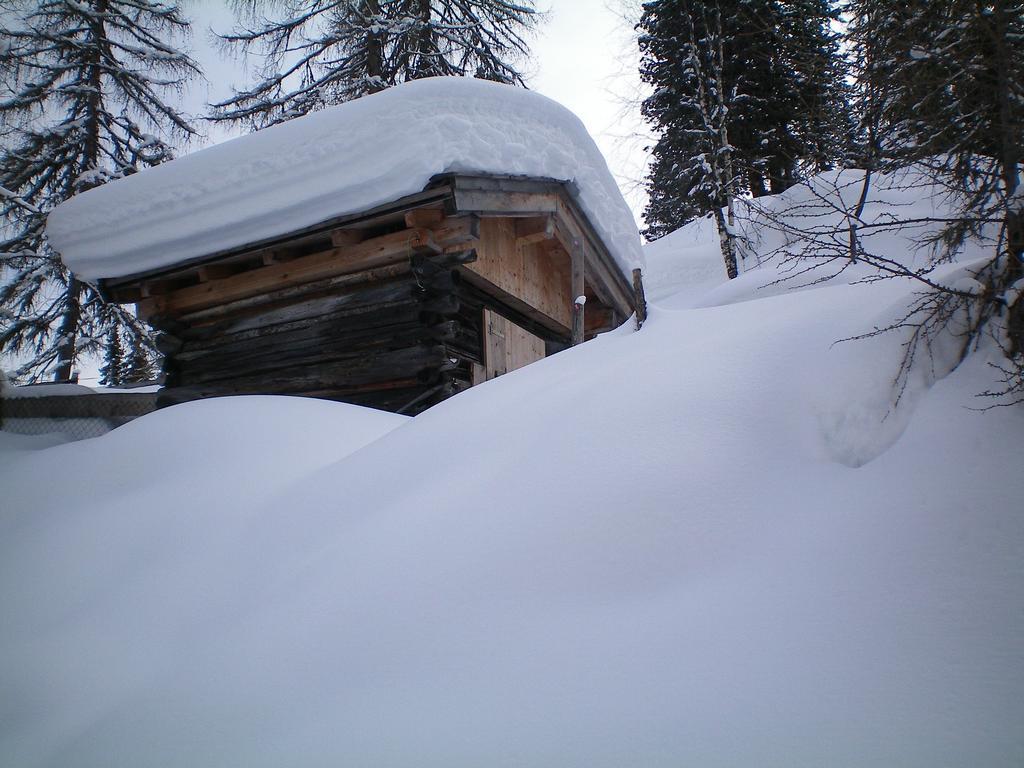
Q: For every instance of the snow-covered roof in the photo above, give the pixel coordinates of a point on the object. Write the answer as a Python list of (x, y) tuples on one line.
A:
[(335, 162)]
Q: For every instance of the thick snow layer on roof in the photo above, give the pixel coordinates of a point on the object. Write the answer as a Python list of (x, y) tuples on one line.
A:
[(342, 160)]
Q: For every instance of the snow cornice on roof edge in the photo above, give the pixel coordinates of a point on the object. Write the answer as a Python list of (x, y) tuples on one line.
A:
[(336, 162)]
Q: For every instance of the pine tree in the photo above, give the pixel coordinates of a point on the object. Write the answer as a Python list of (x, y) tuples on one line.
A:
[(781, 89), (138, 369), (941, 86), (112, 370), (83, 104), (693, 167), (323, 52)]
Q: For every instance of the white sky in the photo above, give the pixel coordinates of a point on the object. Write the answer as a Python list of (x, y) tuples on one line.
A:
[(583, 57)]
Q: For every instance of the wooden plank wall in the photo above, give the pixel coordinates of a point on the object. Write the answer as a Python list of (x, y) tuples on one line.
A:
[(529, 271), (507, 346)]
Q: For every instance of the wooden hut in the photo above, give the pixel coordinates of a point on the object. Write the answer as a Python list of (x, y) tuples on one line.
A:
[(396, 306)]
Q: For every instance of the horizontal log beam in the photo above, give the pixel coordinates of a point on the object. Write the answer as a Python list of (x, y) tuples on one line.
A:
[(287, 295), (417, 361), (312, 349), (498, 203), (534, 229), (355, 301), (374, 253)]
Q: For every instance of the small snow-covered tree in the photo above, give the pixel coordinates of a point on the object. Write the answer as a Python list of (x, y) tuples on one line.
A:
[(315, 53), (112, 370), (138, 368), (82, 102)]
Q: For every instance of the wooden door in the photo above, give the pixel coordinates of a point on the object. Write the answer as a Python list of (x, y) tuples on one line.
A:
[(506, 347)]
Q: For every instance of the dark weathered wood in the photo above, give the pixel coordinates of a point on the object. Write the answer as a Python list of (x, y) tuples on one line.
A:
[(368, 320), (520, 313), (370, 369), (598, 319), (164, 287), (429, 264), (218, 271), (639, 299), (381, 295), (167, 343), (282, 296), (343, 237), (313, 350)]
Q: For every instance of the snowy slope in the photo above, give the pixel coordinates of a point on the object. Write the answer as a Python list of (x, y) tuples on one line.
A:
[(714, 542), (684, 264), (341, 160)]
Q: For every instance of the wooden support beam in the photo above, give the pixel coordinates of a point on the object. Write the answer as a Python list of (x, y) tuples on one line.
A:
[(639, 299), (534, 229), (375, 253), (424, 217), (163, 287), (498, 203), (606, 278), (342, 237), (457, 231), (209, 272), (578, 260)]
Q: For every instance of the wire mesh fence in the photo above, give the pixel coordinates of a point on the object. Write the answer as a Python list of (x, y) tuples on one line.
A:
[(73, 417)]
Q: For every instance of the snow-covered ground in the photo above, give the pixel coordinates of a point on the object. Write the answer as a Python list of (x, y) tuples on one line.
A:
[(713, 542)]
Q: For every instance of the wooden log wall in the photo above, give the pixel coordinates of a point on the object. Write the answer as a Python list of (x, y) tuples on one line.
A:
[(401, 342)]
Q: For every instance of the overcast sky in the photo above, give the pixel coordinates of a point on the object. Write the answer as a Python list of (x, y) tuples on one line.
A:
[(583, 57)]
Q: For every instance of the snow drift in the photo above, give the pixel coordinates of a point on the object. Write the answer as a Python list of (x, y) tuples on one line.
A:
[(344, 159), (715, 542)]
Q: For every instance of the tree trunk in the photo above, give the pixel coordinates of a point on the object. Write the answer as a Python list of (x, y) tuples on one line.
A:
[(67, 340), (728, 244), (1010, 153), (424, 42), (374, 49)]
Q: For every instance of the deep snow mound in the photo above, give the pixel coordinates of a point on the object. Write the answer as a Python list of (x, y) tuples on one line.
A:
[(799, 241), (711, 542), (640, 551), (684, 265)]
